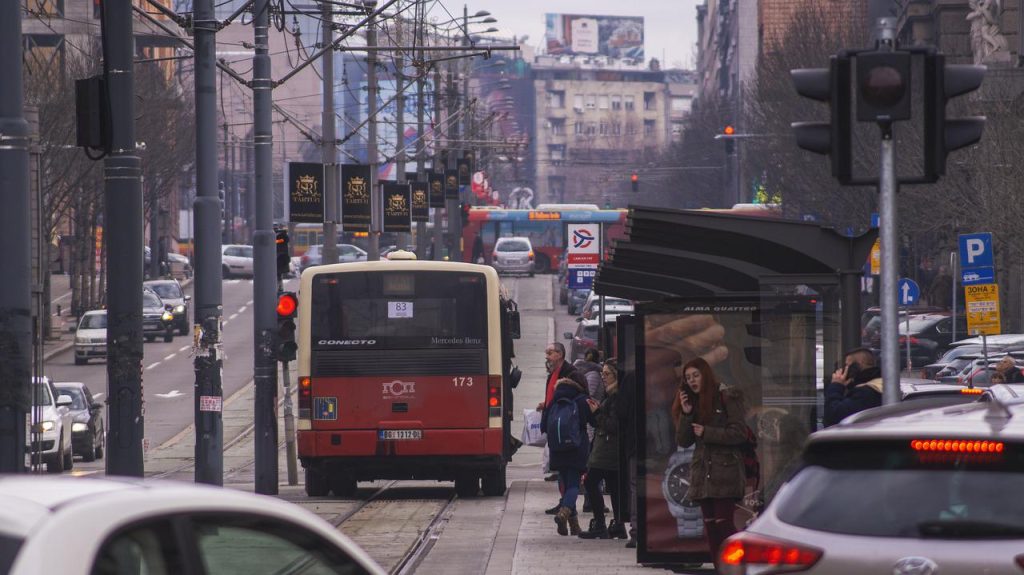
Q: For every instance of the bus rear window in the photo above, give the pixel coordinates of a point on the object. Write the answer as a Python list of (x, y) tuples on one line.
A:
[(399, 310)]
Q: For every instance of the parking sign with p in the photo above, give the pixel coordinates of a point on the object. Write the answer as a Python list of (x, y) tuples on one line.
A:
[(976, 250)]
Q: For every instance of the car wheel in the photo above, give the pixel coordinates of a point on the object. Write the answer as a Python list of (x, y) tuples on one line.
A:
[(495, 483), (81, 361), (149, 338), (183, 330), (169, 336), (467, 485), (542, 264), (226, 272), (89, 454), (69, 459), (531, 274), (316, 483), (99, 446), (55, 464), (343, 484)]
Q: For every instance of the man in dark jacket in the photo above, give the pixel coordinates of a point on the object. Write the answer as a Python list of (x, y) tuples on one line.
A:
[(554, 360), (854, 387), (569, 397)]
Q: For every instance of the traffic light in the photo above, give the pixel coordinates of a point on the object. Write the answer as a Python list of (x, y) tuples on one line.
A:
[(830, 138), (730, 146), (287, 306), (634, 180), (284, 259), (941, 135), (883, 86), (464, 212)]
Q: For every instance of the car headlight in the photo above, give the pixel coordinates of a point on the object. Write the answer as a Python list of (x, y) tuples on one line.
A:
[(79, 426), (179, 309), (44, 426), (168, 316)]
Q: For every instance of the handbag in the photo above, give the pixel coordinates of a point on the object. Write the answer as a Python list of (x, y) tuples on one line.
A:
[(532, 433)]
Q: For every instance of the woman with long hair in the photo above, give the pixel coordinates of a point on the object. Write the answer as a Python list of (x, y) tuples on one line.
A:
[(710, 416), (603, 464)]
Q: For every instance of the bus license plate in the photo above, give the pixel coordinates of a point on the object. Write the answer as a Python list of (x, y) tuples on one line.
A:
[(401, 434)]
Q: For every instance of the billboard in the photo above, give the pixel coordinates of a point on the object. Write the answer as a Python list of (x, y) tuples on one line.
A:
[(589, 35)]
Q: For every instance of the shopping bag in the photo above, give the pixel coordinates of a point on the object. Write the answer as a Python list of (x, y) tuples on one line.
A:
[(532, 433)]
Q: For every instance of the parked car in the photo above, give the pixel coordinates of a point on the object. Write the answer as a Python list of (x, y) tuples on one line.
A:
[(949, 360), (585, 338), (88, 434), (91, 336), (613, 306), (48, 437), (157, 320), (929, 334), (236, 260), (177, 259), (346, 253), (86, 525), (577, 297), (172, 295), (513, 255), (937, 501)]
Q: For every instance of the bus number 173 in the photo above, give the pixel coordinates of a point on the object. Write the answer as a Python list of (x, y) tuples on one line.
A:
[(462, 381)]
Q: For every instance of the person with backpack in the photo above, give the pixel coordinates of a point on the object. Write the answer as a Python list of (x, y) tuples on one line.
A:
[(711, 417), (565, 422)]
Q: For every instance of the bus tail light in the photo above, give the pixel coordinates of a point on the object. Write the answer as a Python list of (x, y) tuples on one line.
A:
[(749, 553), (494, 395), (305, 398)]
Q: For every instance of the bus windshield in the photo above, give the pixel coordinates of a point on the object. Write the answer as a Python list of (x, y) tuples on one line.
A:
[(399, 310)]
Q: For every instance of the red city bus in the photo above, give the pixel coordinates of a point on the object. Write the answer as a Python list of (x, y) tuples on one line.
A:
[(545, 226), (404, 372)]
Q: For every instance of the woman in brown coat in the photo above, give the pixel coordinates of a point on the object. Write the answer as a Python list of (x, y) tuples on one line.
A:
[(712, 418)]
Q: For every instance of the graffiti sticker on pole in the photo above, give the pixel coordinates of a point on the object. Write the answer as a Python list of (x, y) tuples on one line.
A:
[(583, 254)]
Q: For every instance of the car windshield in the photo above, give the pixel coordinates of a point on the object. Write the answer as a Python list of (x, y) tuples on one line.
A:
[(77, 396), (513, 246), (42, 394), (94, 321), (912, 494), (150, 299), (167, 290)]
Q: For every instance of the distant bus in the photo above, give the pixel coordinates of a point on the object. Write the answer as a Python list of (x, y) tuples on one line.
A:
[(545, 226), (404, 372)]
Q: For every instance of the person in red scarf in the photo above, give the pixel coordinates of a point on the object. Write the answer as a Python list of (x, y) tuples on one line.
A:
[(554, 360)]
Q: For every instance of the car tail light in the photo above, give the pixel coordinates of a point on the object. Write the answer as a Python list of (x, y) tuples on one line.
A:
[(913, 340), (305, 398), (748, 553), (972, 391), (530, 254), (957, 445), (494, 395)]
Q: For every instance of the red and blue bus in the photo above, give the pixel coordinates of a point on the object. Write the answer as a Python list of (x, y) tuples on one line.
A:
[(545, 226)]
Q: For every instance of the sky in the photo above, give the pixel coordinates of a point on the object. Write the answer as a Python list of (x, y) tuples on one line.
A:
[(670, 26)]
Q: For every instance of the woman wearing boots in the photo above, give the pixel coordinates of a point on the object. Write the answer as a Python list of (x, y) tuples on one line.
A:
[(604, 459), (711, 417), (568, 462)]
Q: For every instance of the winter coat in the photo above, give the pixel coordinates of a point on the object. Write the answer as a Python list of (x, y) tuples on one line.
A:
[(717, 469), (592, 373), (577, 458), (605, 453), (565, 370), (865, 391)]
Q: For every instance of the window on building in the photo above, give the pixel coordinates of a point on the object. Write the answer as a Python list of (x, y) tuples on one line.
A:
[(590, 102), (681, 104), (603, 128), (630, 129), (602, 102), (557, 154), (648, 127), (630, 106), (591, 128), (556, 189), (578, 128), (616, 129), (577, 102), (43, 53), (649, 100), (556, 99), (616, 102), (557, 126)]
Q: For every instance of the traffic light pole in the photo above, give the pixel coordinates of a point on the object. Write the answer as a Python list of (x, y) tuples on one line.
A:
[(289, 427), (207, 341), (329, 145)]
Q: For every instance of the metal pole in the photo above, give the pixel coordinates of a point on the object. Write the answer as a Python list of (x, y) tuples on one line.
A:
[(953, 266), (421, 141), (289, 427), (910, 365), (123, 230), (207, 342), (15, 292), (328, 144), (452, 205), (403, 238), (376, 207), (438, 212), (849, 282), (888, 296), (264, 265)]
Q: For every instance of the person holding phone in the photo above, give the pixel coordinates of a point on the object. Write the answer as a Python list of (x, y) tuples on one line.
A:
[(854, 387)]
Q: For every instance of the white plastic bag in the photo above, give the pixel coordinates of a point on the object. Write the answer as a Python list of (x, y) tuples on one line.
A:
[(532, 433)]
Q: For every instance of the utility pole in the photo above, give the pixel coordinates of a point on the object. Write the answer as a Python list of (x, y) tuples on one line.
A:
[(376, 207), (207, 339), (264, 264), (421, 141), (887, 234), (123, 230), (328, 143), (453, 126), (15, 293), (403, 238), (438, 213)]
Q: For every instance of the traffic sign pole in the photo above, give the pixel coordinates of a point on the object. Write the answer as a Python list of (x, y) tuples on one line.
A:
[(888, 297)]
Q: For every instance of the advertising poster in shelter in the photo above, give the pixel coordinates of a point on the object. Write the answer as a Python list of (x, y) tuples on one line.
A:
[(762, 351)]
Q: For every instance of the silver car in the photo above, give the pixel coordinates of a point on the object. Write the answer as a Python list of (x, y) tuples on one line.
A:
[(898, 490), (314, 256), (513, 255)]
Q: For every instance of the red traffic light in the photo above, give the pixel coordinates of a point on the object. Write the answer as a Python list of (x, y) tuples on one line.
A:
[(729, 130), (634, 178), (287, 303)]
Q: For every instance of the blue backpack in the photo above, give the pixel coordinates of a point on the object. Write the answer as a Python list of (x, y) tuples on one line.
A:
[(564, 433)]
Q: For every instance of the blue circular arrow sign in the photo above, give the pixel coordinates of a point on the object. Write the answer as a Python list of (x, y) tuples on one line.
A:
[(909, 292)]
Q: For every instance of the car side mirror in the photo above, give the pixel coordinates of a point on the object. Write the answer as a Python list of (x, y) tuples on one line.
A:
[(63, 400), (514, 329), (188, 298), (96, 405), (567, 335)]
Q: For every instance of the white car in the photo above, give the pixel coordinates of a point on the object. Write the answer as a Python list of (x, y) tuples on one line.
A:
[(91, 336), (113, 526), (613, 307), (48, 436), (236, 260)]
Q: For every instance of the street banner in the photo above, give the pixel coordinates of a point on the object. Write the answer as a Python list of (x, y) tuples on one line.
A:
[(355, 198), (876, 258), (583, 254), (451, 184), (465, 167), (420, 202), (397, 215), (306, 189), (436, 190), (982, 309)]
